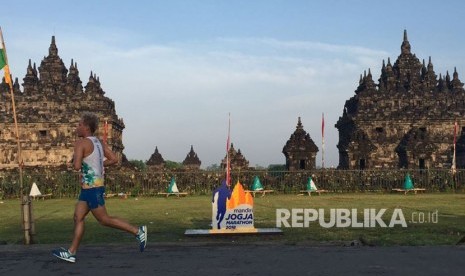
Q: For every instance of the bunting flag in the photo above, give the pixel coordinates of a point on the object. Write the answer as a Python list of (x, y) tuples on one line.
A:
[(4, 61)]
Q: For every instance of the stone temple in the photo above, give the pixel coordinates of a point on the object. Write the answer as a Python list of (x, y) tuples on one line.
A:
[(237, 160), (405, 120), (156, 160), (192, 160), (300, 150), (48, 110)]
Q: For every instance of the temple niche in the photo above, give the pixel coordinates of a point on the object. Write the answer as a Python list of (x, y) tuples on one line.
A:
[(192, 161), (156, 161), (48, 111), (237, 161), (406, 120), (300, 150)]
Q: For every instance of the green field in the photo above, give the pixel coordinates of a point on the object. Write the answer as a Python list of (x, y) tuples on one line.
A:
[(168, 218)]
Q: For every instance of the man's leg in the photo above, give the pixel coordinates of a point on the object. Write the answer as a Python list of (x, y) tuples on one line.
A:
[(80, 212), (100, 213), (220, 220)]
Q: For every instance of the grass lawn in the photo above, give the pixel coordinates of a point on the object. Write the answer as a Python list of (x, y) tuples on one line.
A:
[(168, 218)]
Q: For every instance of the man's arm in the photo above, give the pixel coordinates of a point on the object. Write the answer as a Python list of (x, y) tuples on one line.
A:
[(109, 155), (78, 154)]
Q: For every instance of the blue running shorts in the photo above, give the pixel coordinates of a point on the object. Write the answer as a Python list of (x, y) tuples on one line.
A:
[(93, 197)]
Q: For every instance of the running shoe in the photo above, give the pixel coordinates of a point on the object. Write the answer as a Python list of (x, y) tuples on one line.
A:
[(142, 237), (64, 254)]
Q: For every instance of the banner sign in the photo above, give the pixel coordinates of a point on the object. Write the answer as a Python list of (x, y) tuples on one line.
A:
[(232, 210)]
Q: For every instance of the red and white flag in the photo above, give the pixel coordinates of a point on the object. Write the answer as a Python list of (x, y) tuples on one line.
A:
[(228, 165), (323, 125), (454, 166), (105, 132), (323, 140)]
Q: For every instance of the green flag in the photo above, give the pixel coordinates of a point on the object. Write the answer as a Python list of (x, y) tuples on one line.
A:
[(408, 183), (311, 185), (173, 188), (257, 186), (2, 58)]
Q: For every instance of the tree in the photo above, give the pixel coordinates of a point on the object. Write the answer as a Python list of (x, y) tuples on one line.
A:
[(213, 167), (138, 164), (276, 167), (172, 164)]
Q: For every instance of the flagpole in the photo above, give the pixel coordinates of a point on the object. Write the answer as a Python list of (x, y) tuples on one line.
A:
[(10, 85), (454, 153), (27, 220), (454, 157), (323, 140), (20, 161)]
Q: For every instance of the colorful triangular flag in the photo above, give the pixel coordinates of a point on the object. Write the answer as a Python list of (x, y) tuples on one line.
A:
[(311, 185), (257, 185), (4, 61), (408, 183), (173, 188)]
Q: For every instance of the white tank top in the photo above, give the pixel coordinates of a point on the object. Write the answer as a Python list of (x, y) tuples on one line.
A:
[(92, 166)]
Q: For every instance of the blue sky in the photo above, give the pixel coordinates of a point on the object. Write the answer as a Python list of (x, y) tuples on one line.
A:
[(175, 69)]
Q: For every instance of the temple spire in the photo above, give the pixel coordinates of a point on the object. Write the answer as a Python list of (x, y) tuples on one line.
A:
[(53, 50), (405, 47), (299, 124)]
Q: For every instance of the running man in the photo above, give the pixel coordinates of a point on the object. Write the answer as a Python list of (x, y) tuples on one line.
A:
[(222, 193), (90, 157)]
